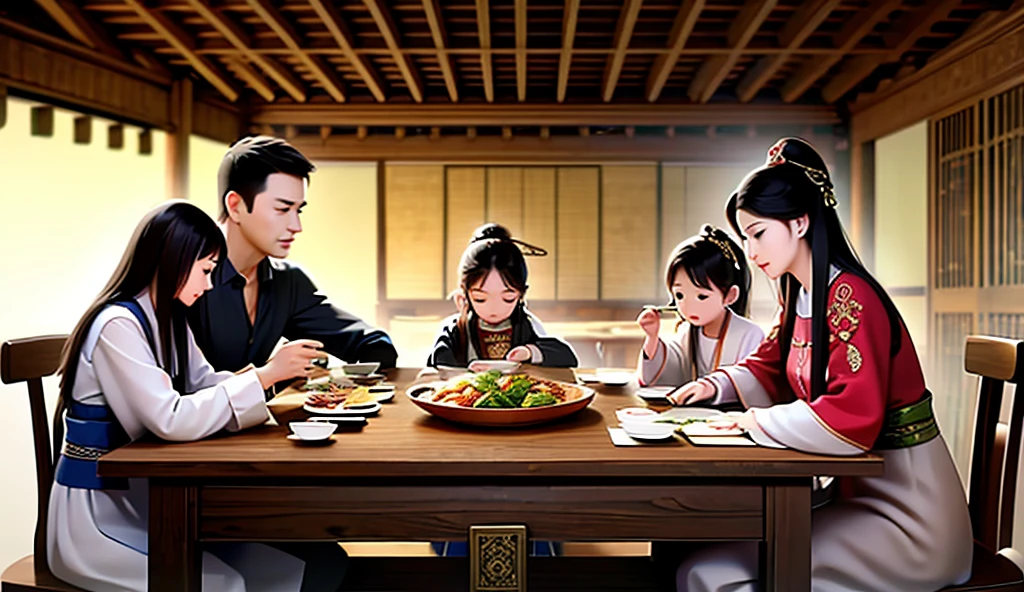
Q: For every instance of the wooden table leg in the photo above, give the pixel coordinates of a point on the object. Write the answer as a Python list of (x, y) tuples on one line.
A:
[(175, 559), (786, 551)]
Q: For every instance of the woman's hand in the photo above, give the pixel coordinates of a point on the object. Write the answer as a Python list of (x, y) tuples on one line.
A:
[(293, 360), (696, 391), (520, 353), (650, 321)]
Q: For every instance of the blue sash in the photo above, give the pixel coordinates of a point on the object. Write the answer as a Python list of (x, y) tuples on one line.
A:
[(93, 430)]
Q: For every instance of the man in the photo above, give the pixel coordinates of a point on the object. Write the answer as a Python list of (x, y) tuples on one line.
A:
[(257, 298)]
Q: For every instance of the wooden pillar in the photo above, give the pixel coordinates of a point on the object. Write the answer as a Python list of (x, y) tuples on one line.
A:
[(177, 139), (862, 199), (3, 106)]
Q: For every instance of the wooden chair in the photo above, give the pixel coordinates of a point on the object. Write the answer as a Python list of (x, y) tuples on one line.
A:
[(994, 463), (29, 360)]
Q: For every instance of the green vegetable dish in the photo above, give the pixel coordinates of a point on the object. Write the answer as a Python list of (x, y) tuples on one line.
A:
[(492, 390)]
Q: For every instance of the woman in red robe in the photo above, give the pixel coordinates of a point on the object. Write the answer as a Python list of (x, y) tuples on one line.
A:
[(837, 375)]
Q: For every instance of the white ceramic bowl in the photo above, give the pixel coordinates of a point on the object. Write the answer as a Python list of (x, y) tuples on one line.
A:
[(635, 413), (313, 430), (362, 368), (614, 378), (648, 429), (503, 366)]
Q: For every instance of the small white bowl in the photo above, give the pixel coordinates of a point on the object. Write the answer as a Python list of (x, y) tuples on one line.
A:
[(648, 430), (313, 430), (503, 366), (633, 413), (614, 378), (361, 369)]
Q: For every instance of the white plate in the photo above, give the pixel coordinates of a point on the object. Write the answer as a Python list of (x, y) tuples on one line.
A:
[(369, 409), (703, 429), (687, 412), (654, 392), (503, 366), (382, 394)]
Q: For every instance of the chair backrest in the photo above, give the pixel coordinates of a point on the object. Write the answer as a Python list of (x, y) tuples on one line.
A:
[(29, 360), (995, 459)]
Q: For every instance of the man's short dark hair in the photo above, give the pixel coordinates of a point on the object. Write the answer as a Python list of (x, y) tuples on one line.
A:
[(250, 161)]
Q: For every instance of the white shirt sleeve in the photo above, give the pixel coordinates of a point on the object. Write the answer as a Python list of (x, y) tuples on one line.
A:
[(142, 397)]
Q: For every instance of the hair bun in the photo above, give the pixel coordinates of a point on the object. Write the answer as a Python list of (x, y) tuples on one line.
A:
[(491, 231)]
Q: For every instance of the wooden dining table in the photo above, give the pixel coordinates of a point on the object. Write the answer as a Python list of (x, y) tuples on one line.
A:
[(409, 476)]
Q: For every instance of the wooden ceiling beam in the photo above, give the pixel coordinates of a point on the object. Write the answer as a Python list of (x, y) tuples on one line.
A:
[(177, 39), (520, 18), (343, 37), (238, 39), (911, 27), (483, 28), (390, 34), (714, 70), (554, 114), (569, 19), (437, 31), (862, 23), (77, 25), (323, 73), (623, 33), (665, 63), (593, 148), (257, 83), (798, 28)]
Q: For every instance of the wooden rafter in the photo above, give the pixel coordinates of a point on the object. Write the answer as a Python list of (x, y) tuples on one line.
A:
[(797, 29), (183, 45), (390, 34), (911, 27), (520, 17), (325, 75), (714, 70), (244, 71), (433, 12), (332, 20), (665, 63), (76, 24), (526, 114), (623, 33), (569, 18), (483, 27), (859, 26), (238, 39)]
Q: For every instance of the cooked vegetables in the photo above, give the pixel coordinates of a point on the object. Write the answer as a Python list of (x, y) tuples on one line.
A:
[(492, 390)]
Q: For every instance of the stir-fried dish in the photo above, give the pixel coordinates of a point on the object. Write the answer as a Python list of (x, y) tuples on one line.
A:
[(492, 390)]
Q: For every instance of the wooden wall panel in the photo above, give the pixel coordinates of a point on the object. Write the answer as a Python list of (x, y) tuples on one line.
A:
[(673, 217), (465, 212), (629, 231), (539, 229), (414, 206), (577, 243), (505, 197)]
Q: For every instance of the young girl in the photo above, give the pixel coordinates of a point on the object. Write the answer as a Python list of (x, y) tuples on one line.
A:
[(709, 282), (493, 323), (126, 369), (838, 375)]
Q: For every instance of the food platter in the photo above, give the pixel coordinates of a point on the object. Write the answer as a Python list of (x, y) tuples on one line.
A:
[(492, 399)]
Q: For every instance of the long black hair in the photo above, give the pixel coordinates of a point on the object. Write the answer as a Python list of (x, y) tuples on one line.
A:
[(492, 247), (795, 182), (712, 260), (166, 243)]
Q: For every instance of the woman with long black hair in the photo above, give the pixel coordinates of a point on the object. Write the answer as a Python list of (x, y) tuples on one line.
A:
[(130, 368), (837, 375)]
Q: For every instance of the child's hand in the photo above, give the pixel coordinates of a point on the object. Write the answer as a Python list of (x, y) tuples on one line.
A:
[(650, 321), (520, 353), (696, 391)]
